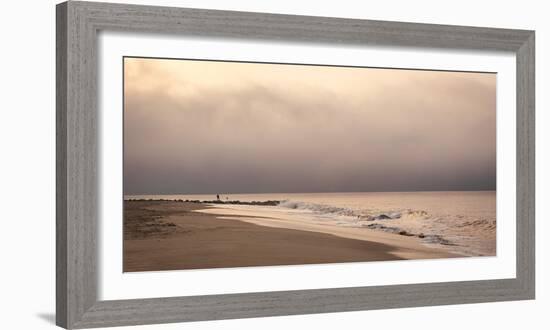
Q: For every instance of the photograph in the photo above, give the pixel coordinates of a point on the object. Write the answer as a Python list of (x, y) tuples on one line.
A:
[(241, 164)]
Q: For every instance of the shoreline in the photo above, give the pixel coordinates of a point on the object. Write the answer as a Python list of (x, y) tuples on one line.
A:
[(405, 246), (171, 235)]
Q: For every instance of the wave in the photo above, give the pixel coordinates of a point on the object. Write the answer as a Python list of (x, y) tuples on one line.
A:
[(455, 231), (318, 208), (480, 223), (426, 238), (366, 215)]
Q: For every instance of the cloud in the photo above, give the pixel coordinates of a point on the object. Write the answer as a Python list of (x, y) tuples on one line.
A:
[(208, 127)]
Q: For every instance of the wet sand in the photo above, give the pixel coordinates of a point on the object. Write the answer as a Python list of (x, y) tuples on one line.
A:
[(169, 235)]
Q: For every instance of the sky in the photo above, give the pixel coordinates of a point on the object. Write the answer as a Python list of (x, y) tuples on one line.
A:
[(209, 127)]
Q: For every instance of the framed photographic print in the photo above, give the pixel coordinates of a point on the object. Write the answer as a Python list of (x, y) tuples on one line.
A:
[(216, 164)]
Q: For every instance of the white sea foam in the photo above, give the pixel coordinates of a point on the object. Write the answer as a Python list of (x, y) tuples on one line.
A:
[(471, 234)]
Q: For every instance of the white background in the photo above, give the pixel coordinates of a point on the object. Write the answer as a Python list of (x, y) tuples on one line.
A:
[(117, 285), (27, 169)]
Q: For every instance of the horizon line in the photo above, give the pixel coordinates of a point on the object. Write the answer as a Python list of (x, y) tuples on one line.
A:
[(303, 192)]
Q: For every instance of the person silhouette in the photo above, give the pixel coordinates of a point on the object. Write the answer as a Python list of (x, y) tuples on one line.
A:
[(218, 197)]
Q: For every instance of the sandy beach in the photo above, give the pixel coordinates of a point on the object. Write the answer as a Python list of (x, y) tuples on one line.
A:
[(170, 235)]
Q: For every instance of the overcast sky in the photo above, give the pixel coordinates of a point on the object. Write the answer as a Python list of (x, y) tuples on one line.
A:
[(195, 127)]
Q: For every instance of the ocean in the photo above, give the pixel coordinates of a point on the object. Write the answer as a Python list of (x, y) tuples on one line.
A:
[(462, 222)]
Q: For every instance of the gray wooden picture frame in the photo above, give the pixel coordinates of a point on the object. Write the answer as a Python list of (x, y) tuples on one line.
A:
[(78, 24)]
